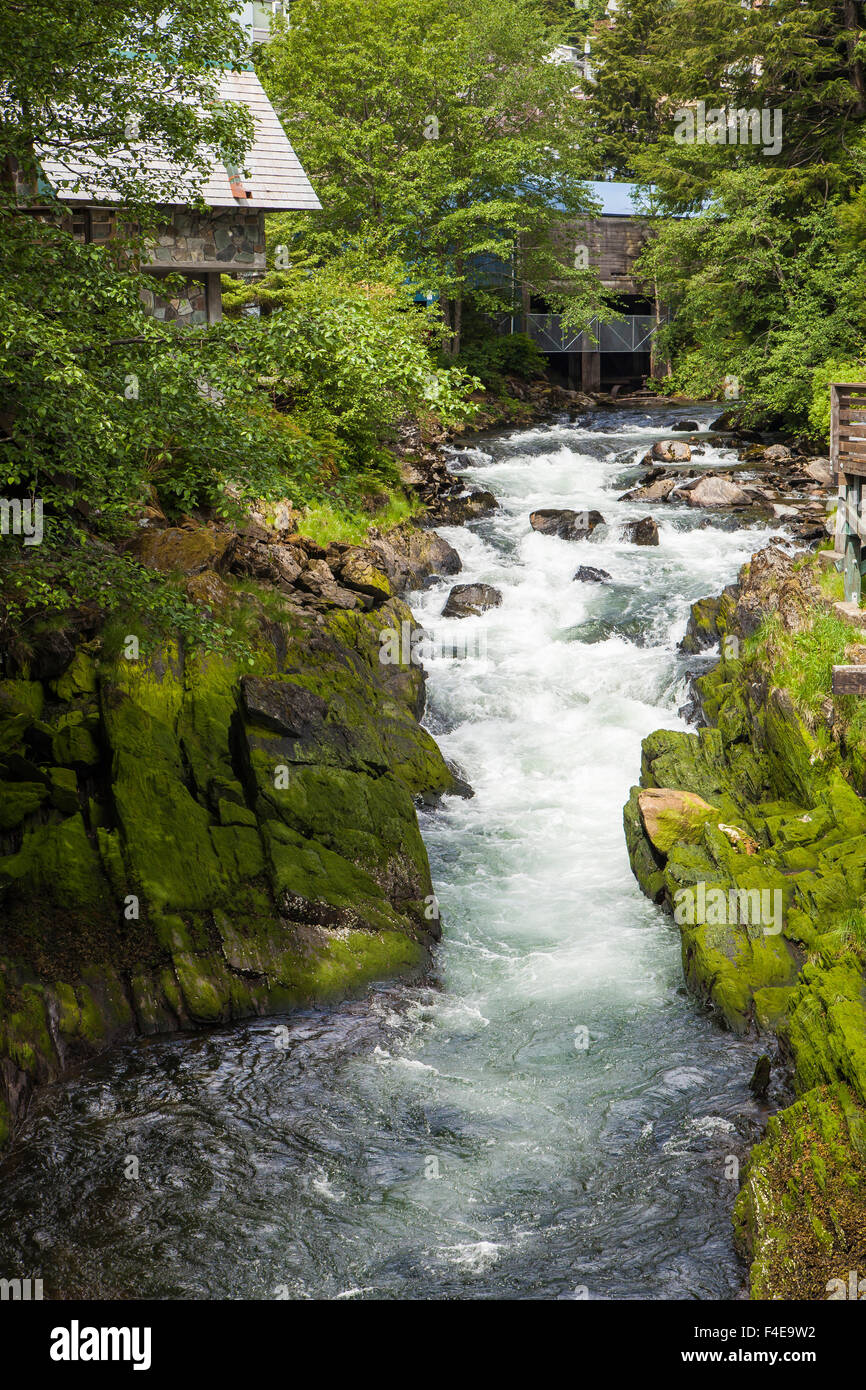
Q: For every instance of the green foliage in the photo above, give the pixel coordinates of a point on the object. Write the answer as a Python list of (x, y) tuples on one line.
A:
[(131, 80), (440, 132), (835, 369), (492, 358), (761, 293), (106, 409), (766, 282)]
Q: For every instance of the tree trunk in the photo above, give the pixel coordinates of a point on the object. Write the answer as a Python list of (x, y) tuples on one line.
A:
[(858, 81), (457, 326)]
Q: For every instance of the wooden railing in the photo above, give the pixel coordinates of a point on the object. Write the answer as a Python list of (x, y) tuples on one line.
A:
[(848, 459)]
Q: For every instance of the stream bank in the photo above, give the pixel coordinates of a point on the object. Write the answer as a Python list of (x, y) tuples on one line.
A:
[(549, 1113), (760, 815)]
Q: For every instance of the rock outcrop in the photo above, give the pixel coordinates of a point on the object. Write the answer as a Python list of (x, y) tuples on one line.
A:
[(752, 831), (190, 837)]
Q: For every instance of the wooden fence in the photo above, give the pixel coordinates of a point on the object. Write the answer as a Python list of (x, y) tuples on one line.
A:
[(848, 459)]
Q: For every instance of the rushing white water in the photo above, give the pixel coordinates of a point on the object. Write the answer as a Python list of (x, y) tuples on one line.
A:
[(552, 1117)]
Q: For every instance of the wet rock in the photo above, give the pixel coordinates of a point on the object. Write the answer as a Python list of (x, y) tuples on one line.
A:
[(760, 1082), (586, 574), (643, 532), (726, 421), (469, 600), (671, 451), (456, 511), (709, 620), (658, 491), (569, 525), (711, 491), (672, 817), (685, 426), (692, 710), (187, 550)]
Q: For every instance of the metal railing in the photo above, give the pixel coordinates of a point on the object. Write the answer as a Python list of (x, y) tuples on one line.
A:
[(633, 333)]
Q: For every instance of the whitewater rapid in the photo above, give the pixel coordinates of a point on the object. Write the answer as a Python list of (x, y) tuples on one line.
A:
[(551, 1115)]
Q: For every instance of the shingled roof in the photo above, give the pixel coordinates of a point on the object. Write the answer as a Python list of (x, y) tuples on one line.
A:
[(272, 176)]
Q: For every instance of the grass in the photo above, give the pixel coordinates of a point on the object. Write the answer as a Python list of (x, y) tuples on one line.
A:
[(847, 934), (802, 662), (325, 522)]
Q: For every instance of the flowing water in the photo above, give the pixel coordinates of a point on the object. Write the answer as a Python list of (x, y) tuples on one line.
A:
[(551, 1116)]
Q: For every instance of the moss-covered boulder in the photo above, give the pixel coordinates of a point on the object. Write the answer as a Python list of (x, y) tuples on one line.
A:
[(799, 1215), (770, 898), (190, 838)]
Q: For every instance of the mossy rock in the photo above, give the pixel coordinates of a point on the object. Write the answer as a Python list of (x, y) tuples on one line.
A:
[(56, 866), (799, 1215), (671, 817), (21, 698), (18, 800), (74, 746), (79, 679), (825, 1026)]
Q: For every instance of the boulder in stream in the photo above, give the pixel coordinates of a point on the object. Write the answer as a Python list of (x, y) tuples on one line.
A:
[(569, 525), (711, 491), (586, 574), (671, 451), (658, 491), (643, 532), (469, 600)]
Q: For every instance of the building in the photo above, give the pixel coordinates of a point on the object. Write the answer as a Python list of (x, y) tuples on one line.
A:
[(198, 246), (610, 242)]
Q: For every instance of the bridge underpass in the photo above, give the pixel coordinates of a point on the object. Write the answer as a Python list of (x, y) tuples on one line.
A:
[(615, 353)]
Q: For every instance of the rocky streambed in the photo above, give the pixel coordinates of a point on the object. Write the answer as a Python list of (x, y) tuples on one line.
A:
[(539, 1109)]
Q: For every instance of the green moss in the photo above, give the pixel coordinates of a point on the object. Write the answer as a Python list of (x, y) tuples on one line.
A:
[(18, 800), (22, 698), (799, 1215), (64, 789), (56, 865), (75, 746), (251, 899), (79, 679)]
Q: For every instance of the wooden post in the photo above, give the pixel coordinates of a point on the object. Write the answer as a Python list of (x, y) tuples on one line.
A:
[(214, 296), (590, 370)]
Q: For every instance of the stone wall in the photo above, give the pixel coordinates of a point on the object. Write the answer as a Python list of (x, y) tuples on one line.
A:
[(187, 305), (231, 237)]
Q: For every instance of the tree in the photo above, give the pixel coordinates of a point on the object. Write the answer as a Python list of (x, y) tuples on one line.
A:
[(441, 131), (106, 412), (133, 81), (764, 271)]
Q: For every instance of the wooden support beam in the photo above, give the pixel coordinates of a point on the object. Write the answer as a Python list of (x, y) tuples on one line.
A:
[(214, 297), (849, 680)]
